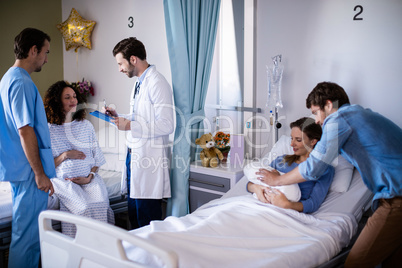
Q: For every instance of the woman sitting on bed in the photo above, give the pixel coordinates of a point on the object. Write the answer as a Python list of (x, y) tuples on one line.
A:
[(77, 156), (305, 134)]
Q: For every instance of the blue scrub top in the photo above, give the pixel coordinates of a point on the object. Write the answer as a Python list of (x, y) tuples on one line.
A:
[(21, 105)]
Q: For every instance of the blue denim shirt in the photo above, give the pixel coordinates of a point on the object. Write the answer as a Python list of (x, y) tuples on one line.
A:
[(369, 141), (313, 193)]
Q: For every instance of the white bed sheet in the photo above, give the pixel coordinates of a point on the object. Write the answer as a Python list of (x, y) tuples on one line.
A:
[(239, 231), (112, 180), (6, 204)]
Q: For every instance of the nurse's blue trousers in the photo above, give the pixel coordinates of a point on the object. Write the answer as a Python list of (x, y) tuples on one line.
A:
[(28, 202)]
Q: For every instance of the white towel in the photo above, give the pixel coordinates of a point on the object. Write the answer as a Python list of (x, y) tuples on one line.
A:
[(292, 191)]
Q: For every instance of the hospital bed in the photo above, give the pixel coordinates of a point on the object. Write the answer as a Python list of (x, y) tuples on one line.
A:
[(110, 173), (235, 230)]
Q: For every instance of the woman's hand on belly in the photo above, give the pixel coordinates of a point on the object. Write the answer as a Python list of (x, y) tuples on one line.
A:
[(80, 180)]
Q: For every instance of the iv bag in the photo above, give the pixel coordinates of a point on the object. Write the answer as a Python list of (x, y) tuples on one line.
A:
[(274, 75)]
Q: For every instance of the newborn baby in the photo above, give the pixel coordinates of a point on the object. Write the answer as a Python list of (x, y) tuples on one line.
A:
[(292, 191)]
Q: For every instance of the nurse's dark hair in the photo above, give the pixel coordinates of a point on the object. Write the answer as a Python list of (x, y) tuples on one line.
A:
[(327, 91), (312, 130), (130, 47), (28, 38), (54, 106)]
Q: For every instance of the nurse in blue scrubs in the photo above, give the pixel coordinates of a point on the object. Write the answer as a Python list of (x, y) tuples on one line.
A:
[(26, 159)]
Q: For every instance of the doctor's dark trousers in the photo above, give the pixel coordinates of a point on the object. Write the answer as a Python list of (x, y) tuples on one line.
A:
[(141, 211)]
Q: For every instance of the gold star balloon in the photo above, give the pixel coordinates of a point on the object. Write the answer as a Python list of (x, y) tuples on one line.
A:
[(76, 31)]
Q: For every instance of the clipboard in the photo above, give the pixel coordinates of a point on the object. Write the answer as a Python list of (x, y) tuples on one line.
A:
[(102, 116)]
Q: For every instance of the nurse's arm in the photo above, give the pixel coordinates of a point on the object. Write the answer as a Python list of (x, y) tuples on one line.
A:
[(273, 178), (29, 143)]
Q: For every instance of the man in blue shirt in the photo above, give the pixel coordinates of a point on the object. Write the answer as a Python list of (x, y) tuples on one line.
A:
[(26, 159), (373, 144)]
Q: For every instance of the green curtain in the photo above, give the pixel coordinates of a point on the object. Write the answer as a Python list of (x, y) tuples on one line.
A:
[(191, 32)]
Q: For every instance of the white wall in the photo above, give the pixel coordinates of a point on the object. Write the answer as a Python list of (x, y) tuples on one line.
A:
[(98, 65), (320, 41)]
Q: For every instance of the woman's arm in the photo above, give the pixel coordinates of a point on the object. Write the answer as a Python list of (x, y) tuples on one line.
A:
[(311, 204), (277, 198), (258, 190), (319, 191), (273, 196), (84, 180), (72, 154)]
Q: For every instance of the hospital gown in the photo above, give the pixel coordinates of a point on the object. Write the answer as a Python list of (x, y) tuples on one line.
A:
[(89, 200)]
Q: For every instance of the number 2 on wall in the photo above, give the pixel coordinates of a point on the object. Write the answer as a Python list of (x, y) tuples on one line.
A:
[(360, 11)]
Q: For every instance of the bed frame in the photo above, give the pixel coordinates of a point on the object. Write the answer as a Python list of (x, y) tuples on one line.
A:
[(79, 252), (110, 252), (339, 260), (117, 203)]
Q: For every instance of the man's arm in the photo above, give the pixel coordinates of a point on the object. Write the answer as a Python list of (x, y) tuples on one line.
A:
[(274, 179), (29, 143)]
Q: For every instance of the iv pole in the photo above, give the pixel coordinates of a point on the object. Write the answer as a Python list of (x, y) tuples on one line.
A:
[(277, 125), (277, 79)]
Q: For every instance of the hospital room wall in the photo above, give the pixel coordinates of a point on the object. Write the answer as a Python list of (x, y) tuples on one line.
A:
[(320, 41), (115, 20), (15, 15), (114, 23)]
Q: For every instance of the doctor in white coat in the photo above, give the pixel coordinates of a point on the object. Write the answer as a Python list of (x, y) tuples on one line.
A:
[(149, 124)]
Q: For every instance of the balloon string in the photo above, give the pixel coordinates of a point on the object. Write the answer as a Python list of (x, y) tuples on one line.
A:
[(76, 53)]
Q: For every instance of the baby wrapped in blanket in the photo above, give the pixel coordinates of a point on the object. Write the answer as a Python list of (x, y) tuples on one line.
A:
[(292, 191)]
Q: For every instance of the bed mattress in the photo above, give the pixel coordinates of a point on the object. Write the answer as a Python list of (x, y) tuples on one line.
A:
[(112, 181), (6, 205), (355, 201), (239, 231)]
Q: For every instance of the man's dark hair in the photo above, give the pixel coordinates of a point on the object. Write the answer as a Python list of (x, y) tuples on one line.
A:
[(28, 38), (327, 91), (130, 47)]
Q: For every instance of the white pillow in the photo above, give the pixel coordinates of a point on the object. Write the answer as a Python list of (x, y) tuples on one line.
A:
[(292, 191), (343, 175), (281, 147)]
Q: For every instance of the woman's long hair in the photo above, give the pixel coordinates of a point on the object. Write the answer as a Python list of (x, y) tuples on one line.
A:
[(54, 106), (308, 126)]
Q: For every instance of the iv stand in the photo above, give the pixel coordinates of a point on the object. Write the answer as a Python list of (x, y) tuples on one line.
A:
[(277, 124)]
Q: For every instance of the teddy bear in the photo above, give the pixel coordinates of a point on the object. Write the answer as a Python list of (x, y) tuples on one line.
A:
[(209, 155)]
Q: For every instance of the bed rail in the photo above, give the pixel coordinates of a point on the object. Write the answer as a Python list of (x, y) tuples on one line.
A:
[(96, 244)]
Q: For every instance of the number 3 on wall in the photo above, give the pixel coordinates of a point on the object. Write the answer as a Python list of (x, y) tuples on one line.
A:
[(130, 22), (359, 10)]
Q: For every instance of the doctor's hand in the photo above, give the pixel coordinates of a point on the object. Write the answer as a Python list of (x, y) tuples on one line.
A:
[(109, 111), (122, 123), (44, 184), (268, 177)]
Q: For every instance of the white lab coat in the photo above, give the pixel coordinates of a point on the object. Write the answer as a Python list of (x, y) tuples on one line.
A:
[(152, 120)]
